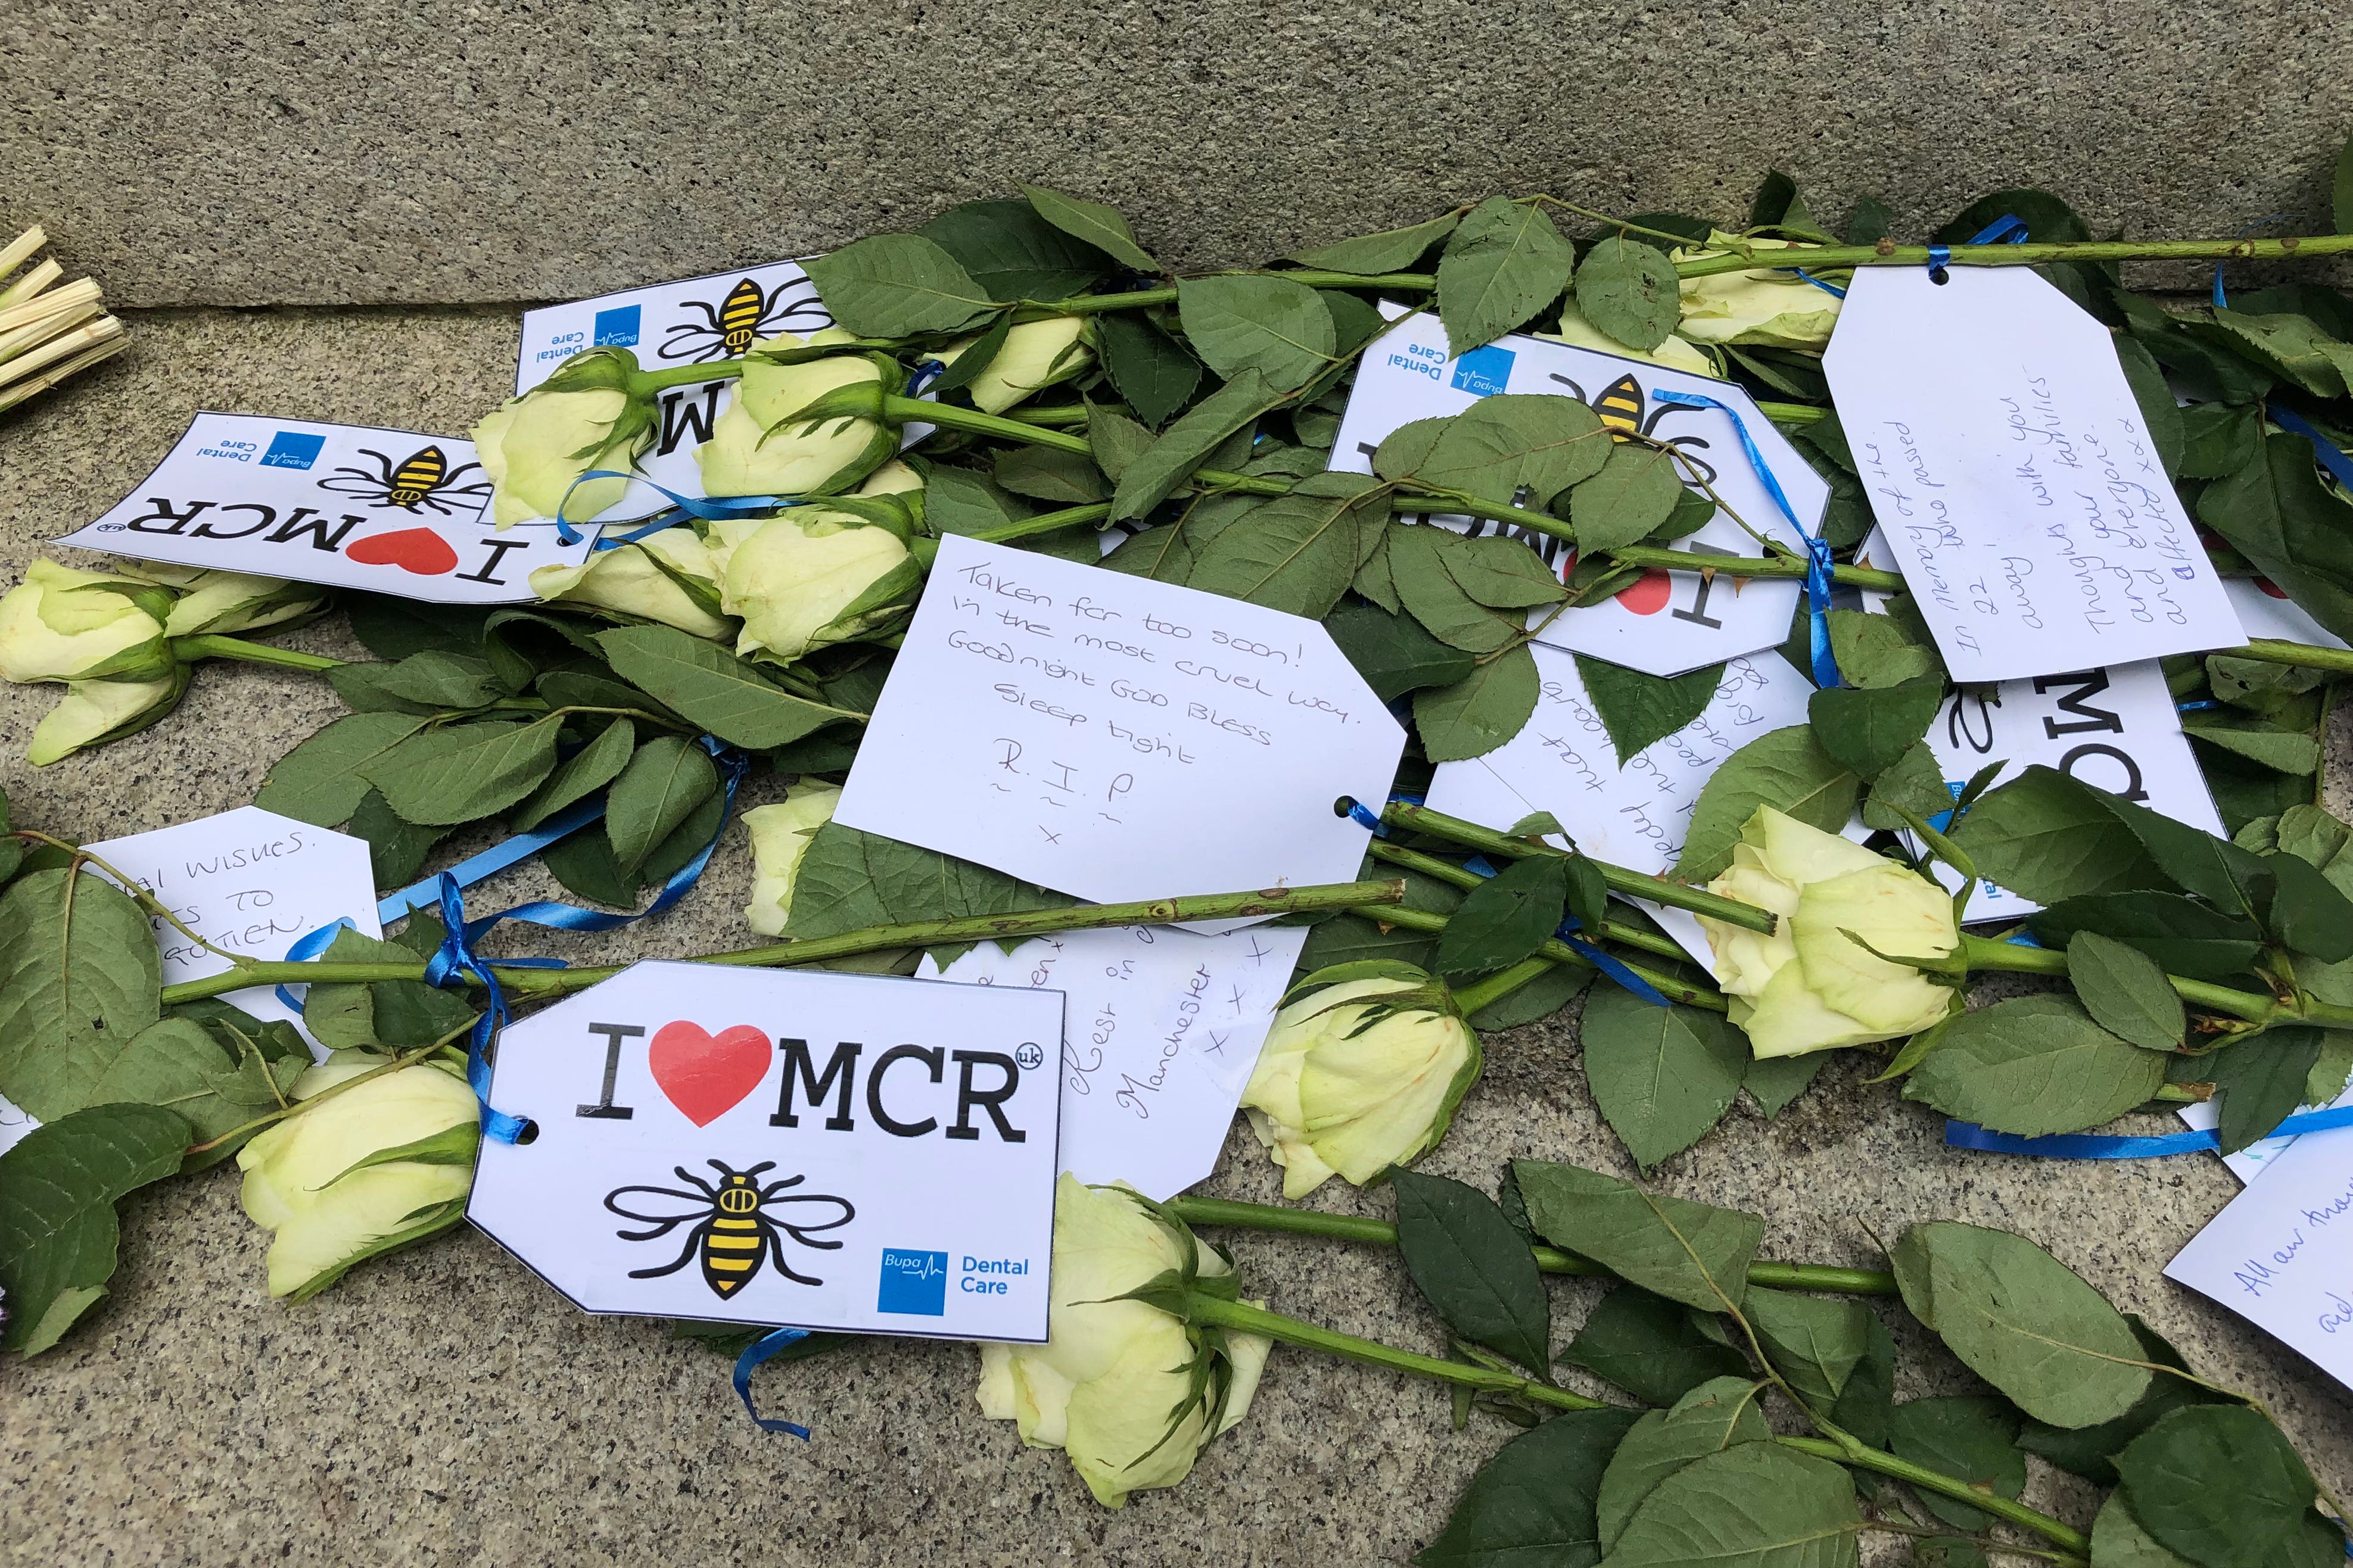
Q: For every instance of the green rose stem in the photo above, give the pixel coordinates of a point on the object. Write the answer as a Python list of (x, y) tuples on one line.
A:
[(187, 650), (1461, 876), (2032, 254), (1980, 953), (1549, 1260), (1634, 884), (1554, 951), (533, 983), (1241, 1317)]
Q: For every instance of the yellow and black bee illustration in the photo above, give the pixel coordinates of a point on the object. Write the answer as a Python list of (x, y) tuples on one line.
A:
[(1621, 404), (732, 1233), (728, 328), (419, 483)]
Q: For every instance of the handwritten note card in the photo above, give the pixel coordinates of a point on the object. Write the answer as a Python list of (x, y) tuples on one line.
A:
[(1667, 623), (2008, 463), (1115, 738), (1635, 816), (692, 321), (2281, 1254), (391, 511), (847, 1152), (1161, 1030)]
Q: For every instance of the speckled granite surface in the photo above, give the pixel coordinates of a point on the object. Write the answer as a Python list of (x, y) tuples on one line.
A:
[(444, 1407)]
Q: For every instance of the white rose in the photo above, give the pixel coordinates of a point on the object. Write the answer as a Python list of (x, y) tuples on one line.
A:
[(757, 450), (536, 446), (780, 838), (1034, 356), (93, 710), (668, 577), (63, 625), (808, 578), (1777, 308)]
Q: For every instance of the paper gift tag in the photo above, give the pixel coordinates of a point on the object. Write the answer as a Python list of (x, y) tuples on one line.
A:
[(1161, 1030), (1668, 623), (1635, 816), (691, 321), (2281, 1254), (846, 1151), (1116, 738), (391, 511), (2008, 463), (2115, 729)]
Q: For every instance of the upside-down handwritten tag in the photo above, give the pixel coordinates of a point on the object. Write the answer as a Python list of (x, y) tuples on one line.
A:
[(2008, 463), (1117, 738), (2281, 1254), (848, 1152), (1637, 815), (1161, 1030), (694, 320), (390, 511), (1666, 623)]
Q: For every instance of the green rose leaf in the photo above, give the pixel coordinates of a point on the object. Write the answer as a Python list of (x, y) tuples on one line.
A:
[(897, 286), (1100, 226), (1011, 253), (1655, 1349), (396, 850), (1516, 449), (79, 973), (708, 686), (2181, 934), (2033, 1065), (1420, 558), (2277, 513), (2282, 751), (1628, 290), (399, 1014), (1639, 709), (1385, 251), (1757, 1504), (1117, 439), (2022, 1320), (1503, 264), (963, 500), (1533, 1503), (58, 1187), (1147, 367), (1687, 1252), (2119, 1542), (2125, 990), (1243, 320), (1392, 652), (1296, 552), (2296, 347), (2261, 1081), (1186, 445), (1048, 474), (1712, 1417), (1916, 782), (589, 770), (1634, 491), (1867, 730), (175, 1063), (1973, 1440), (849, 880), (462, 772), (324, 779), (1873, 650), (2045, 836), (2154, 398), (1506, 918), (2089, 1451), (1866, 1405), (2219, 438), (1473, 1268), (424, 683), (1814, 1342), (1786, 770), (1663, 1076), (2220, 1484), (664, 782), (1474, 717), (1775, 1082)]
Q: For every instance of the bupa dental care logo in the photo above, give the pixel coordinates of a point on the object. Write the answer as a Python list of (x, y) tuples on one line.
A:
[(914, 1282)]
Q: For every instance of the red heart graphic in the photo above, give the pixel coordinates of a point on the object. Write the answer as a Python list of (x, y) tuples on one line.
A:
[(1649, 594), (417, 550), (706, 1075)]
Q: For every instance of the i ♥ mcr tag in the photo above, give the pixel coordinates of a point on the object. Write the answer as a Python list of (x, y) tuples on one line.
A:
[(846, 1151), (392, 512)]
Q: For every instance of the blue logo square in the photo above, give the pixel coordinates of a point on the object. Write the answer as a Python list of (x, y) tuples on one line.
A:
[(289, 450), (1483, 372), (914, 1282), (618, 328)]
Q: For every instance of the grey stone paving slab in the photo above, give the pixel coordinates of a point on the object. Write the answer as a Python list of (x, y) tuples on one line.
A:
[(381, 149), (444, 1407)]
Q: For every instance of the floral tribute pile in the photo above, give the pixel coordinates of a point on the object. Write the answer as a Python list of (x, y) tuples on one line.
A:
[(1083, 401)]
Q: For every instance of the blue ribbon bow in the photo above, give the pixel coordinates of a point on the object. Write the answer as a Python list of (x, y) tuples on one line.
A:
[(2105, 1146), (755, 1352)]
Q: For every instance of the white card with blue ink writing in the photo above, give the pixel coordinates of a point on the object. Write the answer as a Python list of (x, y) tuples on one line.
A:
[(1665, 623), (391, 511), (2113, 729), (2019, 490), (1115, 738), (1161, 1028), (2281, 1254), (694, 320), (1634, 814), (847, 1152)]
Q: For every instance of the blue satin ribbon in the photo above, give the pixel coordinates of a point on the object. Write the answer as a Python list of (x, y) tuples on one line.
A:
[(2331, 456), (306, 948), (2007, 230), (710, 509), (759, 1351), (1365, 818), (2101, 1146), (930, 371), (452, 963), (1831, 289), (1940, 258), (1818, 550), (506, 852), (1478, 865)]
